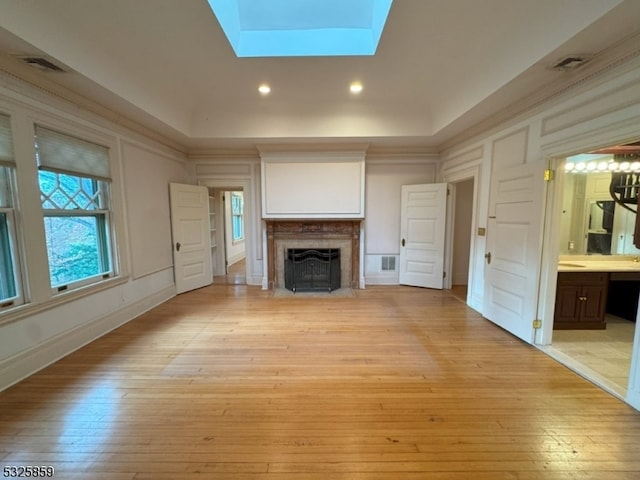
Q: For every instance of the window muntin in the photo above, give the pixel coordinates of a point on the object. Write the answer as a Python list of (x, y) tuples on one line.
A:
[(237, 214), (74, 191), (60, 191)]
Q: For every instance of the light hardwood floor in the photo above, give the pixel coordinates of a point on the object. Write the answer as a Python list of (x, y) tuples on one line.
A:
[(394, 383), (236, 275)]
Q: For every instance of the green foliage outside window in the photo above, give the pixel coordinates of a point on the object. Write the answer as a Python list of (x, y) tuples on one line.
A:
[(75, 226), (7, 277)]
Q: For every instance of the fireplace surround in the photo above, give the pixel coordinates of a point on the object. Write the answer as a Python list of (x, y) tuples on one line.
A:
[(342, 234)]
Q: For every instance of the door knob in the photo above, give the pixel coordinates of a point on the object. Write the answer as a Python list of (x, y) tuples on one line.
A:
[(177, 246), (488, 257), (403, 242)]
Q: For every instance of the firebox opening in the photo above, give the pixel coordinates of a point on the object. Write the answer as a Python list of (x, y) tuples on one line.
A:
[(308, 269)]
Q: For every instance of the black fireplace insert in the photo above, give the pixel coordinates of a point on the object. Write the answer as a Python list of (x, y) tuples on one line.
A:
[(308, 269)]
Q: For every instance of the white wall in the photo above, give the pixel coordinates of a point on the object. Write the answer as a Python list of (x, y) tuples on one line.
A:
[(50, 326), (384, 179), (147, 173)]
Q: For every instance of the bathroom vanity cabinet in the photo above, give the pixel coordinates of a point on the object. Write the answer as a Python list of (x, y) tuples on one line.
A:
[(581, 300)]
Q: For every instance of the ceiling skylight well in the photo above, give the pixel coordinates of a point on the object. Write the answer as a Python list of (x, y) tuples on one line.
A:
[(286, 28)]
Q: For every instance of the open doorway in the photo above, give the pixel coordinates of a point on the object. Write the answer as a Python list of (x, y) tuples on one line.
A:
[(228, 223), (461, 243), (461, 240), (596, 238)]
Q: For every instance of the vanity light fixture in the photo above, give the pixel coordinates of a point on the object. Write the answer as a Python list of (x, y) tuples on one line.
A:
[(626, 162), (595, 166), (356, 87)]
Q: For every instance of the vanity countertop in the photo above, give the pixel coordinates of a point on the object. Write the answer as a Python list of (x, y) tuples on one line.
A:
[(599, 263)]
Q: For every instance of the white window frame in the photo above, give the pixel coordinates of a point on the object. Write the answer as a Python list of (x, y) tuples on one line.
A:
[(103, 212), (105, 244), (8, 211), (240, 216), (18, 297)]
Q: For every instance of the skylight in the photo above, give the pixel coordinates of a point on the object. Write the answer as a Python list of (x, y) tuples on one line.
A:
[(286, 28)]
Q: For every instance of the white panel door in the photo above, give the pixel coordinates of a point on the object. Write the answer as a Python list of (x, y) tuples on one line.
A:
[(422, 228), (191, 240), (514, 248)]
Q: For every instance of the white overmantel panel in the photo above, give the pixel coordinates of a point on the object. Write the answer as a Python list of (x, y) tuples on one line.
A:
[(313, 183)]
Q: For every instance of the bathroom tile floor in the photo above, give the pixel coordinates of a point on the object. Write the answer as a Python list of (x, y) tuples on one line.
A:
[(602, 354)]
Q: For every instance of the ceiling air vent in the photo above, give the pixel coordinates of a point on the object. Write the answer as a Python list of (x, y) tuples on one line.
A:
[(570, 62), (41, 63)]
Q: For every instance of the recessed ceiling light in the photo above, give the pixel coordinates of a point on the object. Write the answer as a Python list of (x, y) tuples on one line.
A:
[(264, 89), (356, 87)]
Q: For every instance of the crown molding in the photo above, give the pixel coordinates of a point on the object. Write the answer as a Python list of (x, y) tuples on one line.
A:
[(403, 153), (223, 154), (333, 147)]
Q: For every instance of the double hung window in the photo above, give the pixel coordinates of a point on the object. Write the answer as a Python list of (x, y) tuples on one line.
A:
[(237, 216), (10, 287), (74, 180)]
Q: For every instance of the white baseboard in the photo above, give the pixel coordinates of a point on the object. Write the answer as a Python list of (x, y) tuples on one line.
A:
[(24, 364), (382, 279), (257, 280), (235, 259)]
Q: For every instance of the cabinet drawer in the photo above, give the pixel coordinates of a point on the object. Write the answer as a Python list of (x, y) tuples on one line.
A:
[(583, 278), (625, 276)]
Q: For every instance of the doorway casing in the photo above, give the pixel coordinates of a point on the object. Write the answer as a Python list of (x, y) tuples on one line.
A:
[(555, 153), (453, 176), (253, 253)]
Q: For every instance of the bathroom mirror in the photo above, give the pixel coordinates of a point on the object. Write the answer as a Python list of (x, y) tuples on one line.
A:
[(600, 226), (592, 222)]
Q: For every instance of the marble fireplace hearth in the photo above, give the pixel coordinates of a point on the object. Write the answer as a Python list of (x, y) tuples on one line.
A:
[(283, 234)]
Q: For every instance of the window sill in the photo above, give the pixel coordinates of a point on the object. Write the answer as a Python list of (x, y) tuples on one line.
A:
[(28, 309)]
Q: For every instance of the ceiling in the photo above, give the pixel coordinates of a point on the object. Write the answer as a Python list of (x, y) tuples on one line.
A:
[(442, 69)]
